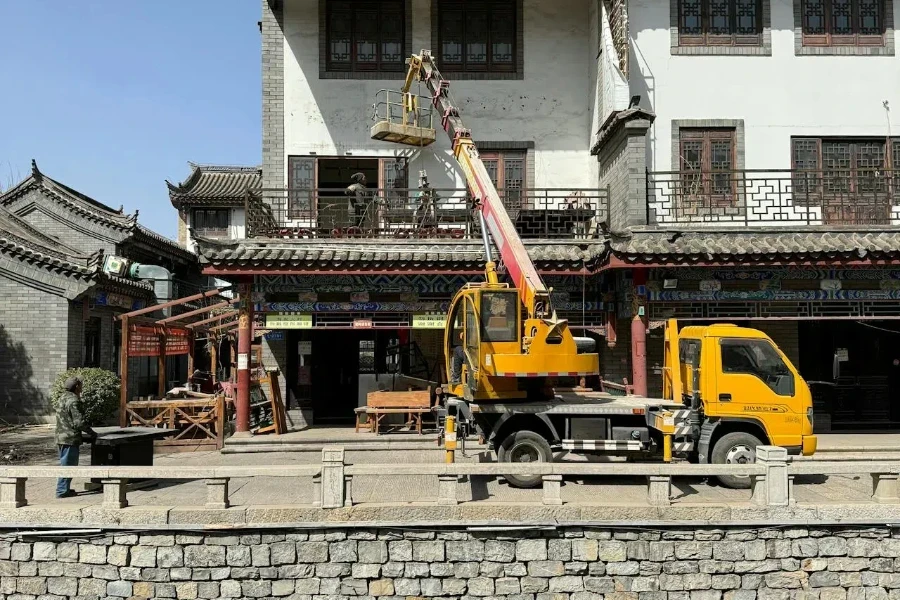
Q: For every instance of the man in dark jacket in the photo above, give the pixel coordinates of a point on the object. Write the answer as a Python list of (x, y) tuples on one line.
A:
[(70, 425)]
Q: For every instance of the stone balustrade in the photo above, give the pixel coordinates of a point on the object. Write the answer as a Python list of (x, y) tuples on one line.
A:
[(771, 478)]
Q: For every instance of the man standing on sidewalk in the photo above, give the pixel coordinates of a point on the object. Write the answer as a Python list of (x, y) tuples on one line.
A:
[(69, 427)]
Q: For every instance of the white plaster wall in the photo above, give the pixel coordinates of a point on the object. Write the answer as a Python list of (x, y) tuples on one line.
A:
[(550, 107), (778, 96), (237, 229)]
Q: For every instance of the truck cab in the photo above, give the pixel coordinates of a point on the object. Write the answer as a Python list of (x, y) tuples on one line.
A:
[(745, 388)]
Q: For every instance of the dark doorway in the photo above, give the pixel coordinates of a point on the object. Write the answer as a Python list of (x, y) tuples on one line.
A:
[(333, 177), (860, 361), (334, 376)]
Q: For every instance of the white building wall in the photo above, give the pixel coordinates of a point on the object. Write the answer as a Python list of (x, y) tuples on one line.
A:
[(777, 96), (236, 231), (550, 107)]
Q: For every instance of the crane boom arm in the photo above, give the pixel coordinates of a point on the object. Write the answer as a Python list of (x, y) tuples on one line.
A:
[(532, 291)]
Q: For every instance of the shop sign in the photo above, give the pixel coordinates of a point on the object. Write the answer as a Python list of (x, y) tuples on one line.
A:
[(363, 324), (842, 355), (304, 347), (288, 321), (274, 336), (429, 321), (710, 285), (112, 299)]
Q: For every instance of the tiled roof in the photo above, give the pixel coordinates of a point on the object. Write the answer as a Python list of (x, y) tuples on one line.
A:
[(219, 185), (93, 210), (76, 201), (763, 243), (391, 254), (21, 240)]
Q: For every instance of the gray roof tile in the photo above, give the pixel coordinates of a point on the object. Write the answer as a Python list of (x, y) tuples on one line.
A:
[(765, 242), (218, 185), (366, 253)]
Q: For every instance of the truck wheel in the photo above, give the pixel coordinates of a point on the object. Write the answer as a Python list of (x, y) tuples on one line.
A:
[(735, 448), (524, 447)]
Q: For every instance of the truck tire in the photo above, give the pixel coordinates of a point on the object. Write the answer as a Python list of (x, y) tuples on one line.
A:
[(735, 448), (524, 446)]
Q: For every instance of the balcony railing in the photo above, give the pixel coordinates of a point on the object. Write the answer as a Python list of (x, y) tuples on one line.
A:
[(774, 197), (416, 214)]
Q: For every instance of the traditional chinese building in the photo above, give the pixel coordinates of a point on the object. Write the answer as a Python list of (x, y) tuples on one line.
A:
[(58, 306)]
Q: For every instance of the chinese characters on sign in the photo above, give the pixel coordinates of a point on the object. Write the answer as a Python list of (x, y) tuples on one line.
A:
[(288, 321), (429, 321)]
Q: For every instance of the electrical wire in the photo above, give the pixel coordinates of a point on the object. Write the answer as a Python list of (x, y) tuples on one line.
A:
[(870, 326)]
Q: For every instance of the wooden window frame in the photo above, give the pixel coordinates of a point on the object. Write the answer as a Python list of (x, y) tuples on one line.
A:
[(213, 232), (713, 198), (311, 212), (489, 66), (512, 198), (829, 39), (709, 39), (353, 66), (809, 184)]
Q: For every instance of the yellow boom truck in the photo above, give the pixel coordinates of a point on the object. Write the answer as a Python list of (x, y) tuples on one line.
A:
[(727, 389)]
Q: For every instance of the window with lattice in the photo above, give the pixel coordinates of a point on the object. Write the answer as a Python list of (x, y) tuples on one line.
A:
[(477, 35), (211, 222), (365, 35), (843, 22), (707, 164), (854, 179), (720, 22), (507, 172)]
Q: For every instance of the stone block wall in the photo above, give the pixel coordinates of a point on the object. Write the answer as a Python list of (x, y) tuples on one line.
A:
[(775, 563)]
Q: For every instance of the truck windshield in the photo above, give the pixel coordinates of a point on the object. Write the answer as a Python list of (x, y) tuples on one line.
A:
[(759, 358), (499, 311)]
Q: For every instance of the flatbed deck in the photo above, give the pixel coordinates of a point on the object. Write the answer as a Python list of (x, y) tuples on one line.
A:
[(581, 403)]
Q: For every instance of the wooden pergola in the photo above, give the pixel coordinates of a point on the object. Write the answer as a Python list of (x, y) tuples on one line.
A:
[(175, 335)]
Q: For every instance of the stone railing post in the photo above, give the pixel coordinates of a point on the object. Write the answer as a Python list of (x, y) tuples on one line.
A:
[(773, 488), (217, 493), (552, 490), (12, 492), (447, 485), (333, 480), (114, 493), (884, 488), (659, 490)]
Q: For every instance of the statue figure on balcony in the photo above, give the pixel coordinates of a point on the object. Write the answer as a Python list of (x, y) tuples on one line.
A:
[(427, 198), (358, 200)]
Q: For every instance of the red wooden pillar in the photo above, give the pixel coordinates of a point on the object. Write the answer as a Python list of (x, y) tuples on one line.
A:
[(245, 340), (639, 335)]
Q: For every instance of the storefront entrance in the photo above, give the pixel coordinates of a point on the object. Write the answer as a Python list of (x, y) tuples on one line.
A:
[(860, 360)]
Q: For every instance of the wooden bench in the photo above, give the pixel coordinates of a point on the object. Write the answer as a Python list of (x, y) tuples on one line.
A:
[(414, 404)]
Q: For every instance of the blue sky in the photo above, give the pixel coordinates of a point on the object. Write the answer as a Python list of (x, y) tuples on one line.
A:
[(112, 97)]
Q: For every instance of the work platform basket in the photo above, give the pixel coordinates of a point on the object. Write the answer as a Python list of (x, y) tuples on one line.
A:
[(403, 119)]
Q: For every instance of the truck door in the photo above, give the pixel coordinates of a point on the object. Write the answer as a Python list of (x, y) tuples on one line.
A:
[(472, 343), (754, 383)]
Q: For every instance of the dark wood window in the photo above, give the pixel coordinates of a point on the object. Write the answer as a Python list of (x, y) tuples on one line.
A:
[(843, 22), (854, 179), (91, 356), (211, 222), (477, 35), (719, 22), (365, 35), (507, 172), (707, 158), (301, 187)]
